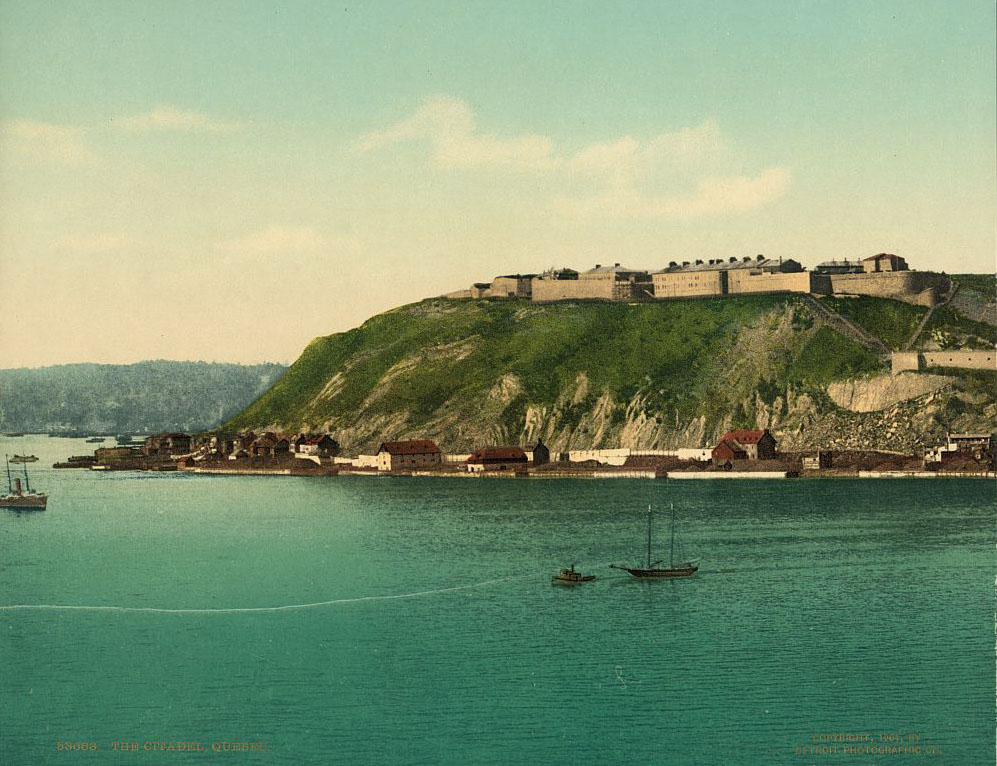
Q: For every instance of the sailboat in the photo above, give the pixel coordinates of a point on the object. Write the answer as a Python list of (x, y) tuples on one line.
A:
[(18, 497), (652, 570)]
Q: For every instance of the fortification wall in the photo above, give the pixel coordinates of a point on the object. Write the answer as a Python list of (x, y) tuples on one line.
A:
[(975, 360), (689, 284), (741, 281), (922, 288), (901, 361), (545, 290)]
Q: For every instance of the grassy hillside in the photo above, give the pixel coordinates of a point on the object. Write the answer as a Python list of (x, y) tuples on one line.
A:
[(573, 372)]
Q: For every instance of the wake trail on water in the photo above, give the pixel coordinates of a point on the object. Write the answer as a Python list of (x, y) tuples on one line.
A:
[(258, 609)]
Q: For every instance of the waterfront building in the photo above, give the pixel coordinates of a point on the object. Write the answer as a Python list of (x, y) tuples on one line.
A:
[(539, 453), (745, 444), (497, 459), (410, 454), (167, 444), (820, 459), (319, 445)]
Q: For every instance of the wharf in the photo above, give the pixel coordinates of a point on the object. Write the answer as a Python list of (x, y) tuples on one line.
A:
[(927, 474), (729, 475)]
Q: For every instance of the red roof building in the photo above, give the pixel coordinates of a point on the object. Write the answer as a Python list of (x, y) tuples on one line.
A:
[(745, 444), (414, 453), (728, 451)]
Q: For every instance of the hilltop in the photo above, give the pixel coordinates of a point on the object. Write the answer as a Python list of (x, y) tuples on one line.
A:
[(129, 398), (647, 375)]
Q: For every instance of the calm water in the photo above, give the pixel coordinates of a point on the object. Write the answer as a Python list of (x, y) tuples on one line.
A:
[(853, 607)]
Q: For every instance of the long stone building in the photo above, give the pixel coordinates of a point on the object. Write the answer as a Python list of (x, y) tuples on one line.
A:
[(734, 276), (609, 283)]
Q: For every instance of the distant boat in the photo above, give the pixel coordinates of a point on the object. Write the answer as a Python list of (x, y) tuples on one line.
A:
[(13, 435), (18, 497), (24, 459), (652, 570), (570, 577), (125, 439), (95, 440)]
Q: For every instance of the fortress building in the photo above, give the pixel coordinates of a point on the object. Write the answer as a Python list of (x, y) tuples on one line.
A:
[(718, 277), (883, 275), (609, 283)]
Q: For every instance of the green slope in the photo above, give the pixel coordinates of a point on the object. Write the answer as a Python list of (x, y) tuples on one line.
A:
[(458, 370)]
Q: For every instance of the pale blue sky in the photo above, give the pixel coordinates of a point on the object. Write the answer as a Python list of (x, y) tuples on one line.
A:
[(204, 166)]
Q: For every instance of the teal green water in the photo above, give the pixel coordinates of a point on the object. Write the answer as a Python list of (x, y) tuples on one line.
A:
[(853, 606)]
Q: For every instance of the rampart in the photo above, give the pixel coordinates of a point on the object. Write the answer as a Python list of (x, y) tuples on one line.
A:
[(922, 288), (545, 290), (985, 359), (742, 281)]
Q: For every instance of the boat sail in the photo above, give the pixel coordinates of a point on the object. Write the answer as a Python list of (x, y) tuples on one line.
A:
[(18, 497), (652, 570)]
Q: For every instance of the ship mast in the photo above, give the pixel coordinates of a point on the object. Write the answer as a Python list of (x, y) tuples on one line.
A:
[(27, 484), (10, 484), (648, 537), (671, 552)]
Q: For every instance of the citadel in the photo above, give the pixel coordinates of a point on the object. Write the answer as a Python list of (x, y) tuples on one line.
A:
[(883, 275)]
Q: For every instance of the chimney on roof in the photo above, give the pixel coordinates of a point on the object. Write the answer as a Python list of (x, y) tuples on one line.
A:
[(672, 264), (746, 259), (699, 262), (685, 263), (760, 257), (732, 259), (598, 265), (616, 264)]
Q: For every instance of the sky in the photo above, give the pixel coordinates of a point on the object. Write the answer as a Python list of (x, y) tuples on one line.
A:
[(225, 181)]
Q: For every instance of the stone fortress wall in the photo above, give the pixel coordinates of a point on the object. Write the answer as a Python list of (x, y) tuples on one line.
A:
[(903, 361), (744, 282), (921, 288)]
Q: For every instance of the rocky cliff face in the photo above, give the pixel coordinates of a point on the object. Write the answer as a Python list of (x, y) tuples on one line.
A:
[(580, 376)]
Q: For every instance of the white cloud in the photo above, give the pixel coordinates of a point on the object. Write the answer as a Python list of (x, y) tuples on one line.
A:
[(166, 118), (691, 157), (628, 158), (61, 144), (633, 178), (713, 195), (449, 126)]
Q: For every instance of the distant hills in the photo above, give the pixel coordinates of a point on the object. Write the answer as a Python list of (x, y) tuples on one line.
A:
[(131, 398), (643, 375)]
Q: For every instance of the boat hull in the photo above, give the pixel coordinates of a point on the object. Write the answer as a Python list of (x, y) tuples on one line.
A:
[(37, 502), (555, 580), (661, 574)]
